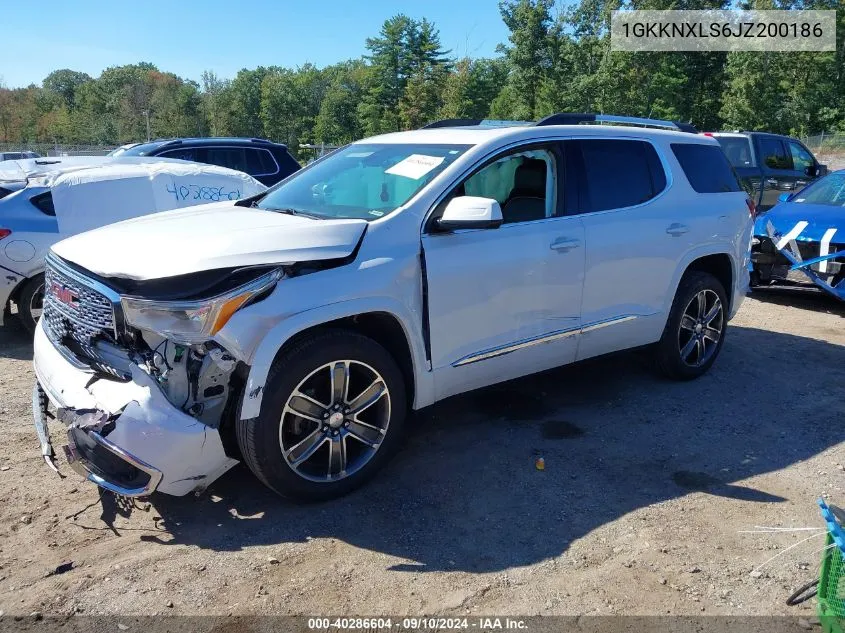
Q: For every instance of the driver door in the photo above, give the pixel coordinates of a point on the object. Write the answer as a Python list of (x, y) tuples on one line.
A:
[(506, 302)]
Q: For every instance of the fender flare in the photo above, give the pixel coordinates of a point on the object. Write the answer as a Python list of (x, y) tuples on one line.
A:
[(690, 256), (276, 337)]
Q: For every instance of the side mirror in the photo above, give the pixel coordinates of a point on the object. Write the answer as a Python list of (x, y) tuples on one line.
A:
[(821, 170), (470, 212), (784, 197)]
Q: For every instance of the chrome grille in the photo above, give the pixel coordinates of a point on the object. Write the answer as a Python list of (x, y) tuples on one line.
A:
[(75, 313)]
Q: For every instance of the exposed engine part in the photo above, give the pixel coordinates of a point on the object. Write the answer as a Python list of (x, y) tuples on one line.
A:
[(195, 379)]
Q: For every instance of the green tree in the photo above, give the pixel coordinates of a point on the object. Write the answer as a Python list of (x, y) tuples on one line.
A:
[(529, 54), (65, 83), (244, 113), (337, 121)]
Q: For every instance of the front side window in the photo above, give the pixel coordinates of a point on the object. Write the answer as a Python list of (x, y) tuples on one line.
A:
[(801, 158), (364, 181), (523, 184), (621, 173), (829, 190), (774, 154)]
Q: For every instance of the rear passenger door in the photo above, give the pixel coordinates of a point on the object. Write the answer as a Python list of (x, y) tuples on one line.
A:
[(634, 242)]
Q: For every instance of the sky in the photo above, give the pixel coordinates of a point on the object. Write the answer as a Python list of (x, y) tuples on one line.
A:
[(188, 36)]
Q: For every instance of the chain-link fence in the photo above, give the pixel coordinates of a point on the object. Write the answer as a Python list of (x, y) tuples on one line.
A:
[(829, 148), (53, 149)]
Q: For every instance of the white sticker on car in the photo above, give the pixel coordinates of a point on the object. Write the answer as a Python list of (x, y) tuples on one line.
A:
[(415, 166)]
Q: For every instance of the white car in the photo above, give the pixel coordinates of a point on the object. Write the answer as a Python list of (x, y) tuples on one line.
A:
[(63, 197), (295, 331)]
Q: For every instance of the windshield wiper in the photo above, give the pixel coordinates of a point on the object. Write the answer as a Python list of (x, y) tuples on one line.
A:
[(288, 211)]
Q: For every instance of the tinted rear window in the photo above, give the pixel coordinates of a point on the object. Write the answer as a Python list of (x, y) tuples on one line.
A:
[(259, 162), (44, 203), (738, 150), (706, 168), (621, 173)]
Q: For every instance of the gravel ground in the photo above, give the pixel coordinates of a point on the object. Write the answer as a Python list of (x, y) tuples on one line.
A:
[(639, 510)]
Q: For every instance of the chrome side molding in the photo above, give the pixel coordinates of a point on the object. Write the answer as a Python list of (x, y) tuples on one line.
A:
[(539, 340)]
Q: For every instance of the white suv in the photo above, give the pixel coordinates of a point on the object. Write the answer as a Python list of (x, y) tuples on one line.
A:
[(295, 330)]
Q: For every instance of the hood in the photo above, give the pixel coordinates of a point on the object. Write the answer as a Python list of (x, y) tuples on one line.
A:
[(207, 237), (820, 218)]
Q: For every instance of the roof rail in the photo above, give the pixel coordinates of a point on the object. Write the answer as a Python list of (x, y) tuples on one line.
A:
[(451, 123), (568, 118), (475, 123), (262, 140), (174, 143)]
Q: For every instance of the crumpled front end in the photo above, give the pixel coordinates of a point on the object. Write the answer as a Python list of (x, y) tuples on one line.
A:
[(791, 252), (124, 436)]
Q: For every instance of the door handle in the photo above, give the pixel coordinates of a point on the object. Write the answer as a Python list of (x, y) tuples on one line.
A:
[(800, 183), (564, 244), (676, 229)]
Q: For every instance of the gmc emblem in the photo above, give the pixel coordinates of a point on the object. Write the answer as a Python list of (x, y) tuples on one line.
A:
[(65, 295)]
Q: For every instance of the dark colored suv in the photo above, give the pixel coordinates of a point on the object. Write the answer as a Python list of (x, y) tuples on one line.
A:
[(769, 164), (264, 160)]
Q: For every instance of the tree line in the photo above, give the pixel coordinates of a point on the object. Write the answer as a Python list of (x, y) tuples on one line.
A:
[(556, 59)]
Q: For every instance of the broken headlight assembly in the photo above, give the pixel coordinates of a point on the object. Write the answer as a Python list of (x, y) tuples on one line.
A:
[(194, 322)]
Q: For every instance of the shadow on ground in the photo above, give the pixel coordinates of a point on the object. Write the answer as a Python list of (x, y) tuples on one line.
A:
[(801, 296), (15, 341), (464, 494)]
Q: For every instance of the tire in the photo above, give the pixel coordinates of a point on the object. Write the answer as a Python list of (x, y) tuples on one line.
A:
[(345, 458), (30, 298), (683, 325)]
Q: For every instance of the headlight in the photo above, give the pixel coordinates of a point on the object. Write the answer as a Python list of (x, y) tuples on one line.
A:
[(190, 322)]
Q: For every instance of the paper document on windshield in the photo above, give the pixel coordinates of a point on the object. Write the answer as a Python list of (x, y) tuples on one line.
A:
[(415, 166)]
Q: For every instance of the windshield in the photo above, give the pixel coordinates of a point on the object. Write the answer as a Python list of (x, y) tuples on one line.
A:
[(738, 150), (363, 181), (829, 190)]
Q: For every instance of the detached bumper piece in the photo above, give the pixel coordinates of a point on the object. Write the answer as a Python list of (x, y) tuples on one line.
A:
[(90, 454), (816, 269)]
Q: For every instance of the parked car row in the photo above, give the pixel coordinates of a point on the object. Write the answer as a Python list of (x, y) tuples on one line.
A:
[(294, 329), (264, 160), (769, 164), (67, 197)]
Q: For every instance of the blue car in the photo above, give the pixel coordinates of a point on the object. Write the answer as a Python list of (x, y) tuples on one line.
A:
[(803, 237)]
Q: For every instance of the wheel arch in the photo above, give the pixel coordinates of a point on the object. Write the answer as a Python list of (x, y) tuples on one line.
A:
[(387, 327), (721, 267), (718, 263)]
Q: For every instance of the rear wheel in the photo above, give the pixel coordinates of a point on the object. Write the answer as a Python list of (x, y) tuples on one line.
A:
[(332, 414), (31, 302), (695, 330)]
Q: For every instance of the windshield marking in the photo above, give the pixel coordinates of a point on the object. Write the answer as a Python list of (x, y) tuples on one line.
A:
[(415, 166)]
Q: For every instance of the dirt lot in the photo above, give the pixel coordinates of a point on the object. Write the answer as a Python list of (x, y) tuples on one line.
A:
[(639, 510)]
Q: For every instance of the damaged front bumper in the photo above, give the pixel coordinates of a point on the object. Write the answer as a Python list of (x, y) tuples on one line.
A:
[(812, 259), (123, 436)]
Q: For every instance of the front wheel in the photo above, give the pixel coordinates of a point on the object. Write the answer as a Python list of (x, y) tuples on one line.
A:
[(695, 329), (31, 302), (333, 413)]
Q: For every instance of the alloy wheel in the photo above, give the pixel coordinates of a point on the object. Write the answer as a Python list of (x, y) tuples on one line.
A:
[(36, 303), (701, 328), (335, 421)]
